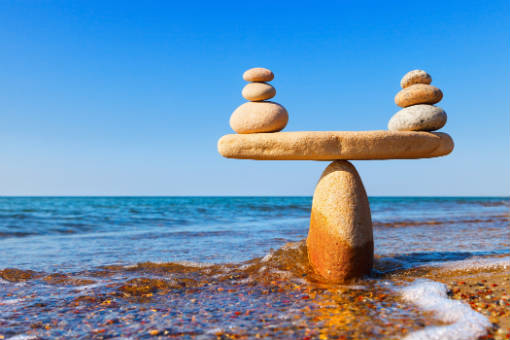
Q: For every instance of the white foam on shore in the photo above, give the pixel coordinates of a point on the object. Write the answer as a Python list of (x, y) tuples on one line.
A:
[(2, 281), (23, 337), (10, 301), (194, 264), (182, 263), (267, 257), (478, 263), (431, 296), (87, 287)]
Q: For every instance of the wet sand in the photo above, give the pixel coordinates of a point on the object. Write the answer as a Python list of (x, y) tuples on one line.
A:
[(487, 292), (272, 297), (485, 289)]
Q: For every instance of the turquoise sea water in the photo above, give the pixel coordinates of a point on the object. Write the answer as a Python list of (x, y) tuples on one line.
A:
[(103, 240), (80, 233)]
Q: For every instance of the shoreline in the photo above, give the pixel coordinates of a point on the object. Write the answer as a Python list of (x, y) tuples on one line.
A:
[(486, 293), (484, 288), (327, 312)]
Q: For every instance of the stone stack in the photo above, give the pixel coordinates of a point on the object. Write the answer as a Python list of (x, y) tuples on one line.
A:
[(417, 98), (259, 115)]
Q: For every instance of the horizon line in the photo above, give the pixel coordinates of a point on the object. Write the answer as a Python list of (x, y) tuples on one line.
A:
[(213, 196)]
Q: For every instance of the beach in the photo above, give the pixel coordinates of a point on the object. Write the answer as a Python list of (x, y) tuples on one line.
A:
[(237, 268), (486, 290), (233, 170)]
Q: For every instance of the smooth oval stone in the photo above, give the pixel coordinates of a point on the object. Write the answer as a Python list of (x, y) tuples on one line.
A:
[(258, 91), (258, 74), (415, 77), (418, 118), (340, 241), (253, 117), (418, 94)]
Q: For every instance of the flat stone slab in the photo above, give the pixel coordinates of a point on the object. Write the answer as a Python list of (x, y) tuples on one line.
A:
[(332, 145)]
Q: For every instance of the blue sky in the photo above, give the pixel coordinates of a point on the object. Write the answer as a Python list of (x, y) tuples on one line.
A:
[(130, 98)]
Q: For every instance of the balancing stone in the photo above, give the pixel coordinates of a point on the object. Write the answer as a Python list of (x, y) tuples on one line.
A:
[(340, 242), (418, 118)]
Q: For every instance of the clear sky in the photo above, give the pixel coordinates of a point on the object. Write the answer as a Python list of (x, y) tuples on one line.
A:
[(130, 98)]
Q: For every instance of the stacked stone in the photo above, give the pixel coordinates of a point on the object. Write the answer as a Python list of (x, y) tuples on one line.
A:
[(259, 115), (416, 98)]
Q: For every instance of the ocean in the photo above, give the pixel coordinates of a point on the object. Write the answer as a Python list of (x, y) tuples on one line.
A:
[(222, 267)]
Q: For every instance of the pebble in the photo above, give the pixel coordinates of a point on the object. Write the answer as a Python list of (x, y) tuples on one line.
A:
[(415, 77), (418, 118), (479, 293), (418, 94), (255, 117), (258, 91), (258, 74)]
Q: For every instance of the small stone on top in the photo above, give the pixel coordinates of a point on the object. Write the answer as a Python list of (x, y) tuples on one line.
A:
[(258, 74), (415, 77)]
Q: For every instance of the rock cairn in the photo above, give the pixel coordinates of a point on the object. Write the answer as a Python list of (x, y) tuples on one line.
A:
[(340, 244), (417, 98), (258, 115)]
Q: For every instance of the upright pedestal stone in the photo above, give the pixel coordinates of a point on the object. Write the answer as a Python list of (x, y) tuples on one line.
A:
[(340, 240)]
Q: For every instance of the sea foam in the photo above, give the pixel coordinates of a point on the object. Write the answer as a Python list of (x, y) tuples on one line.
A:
[(478, 263), (23, 337), (463, 322)]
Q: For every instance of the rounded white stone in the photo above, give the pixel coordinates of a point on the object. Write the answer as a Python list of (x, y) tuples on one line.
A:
[(420, 117)]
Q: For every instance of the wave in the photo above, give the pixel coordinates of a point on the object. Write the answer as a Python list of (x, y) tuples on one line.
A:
[(276, 288), (424, 222), (288, 264)]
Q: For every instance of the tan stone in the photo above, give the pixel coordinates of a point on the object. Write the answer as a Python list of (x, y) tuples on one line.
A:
[(418, 94), (258, 74), (258, 91), (415, 77), (340, 241), (331, 145), (255, 117), (445, 147)]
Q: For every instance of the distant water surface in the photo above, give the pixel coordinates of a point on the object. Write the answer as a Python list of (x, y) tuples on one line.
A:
[(75, 233)]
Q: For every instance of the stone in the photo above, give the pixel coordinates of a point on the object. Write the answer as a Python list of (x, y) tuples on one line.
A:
[(445, 147), (331, 145), (258, 91), (258, 74), (255, 117), (340, 242), (418, 118), (415, 77), (418, 94)]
